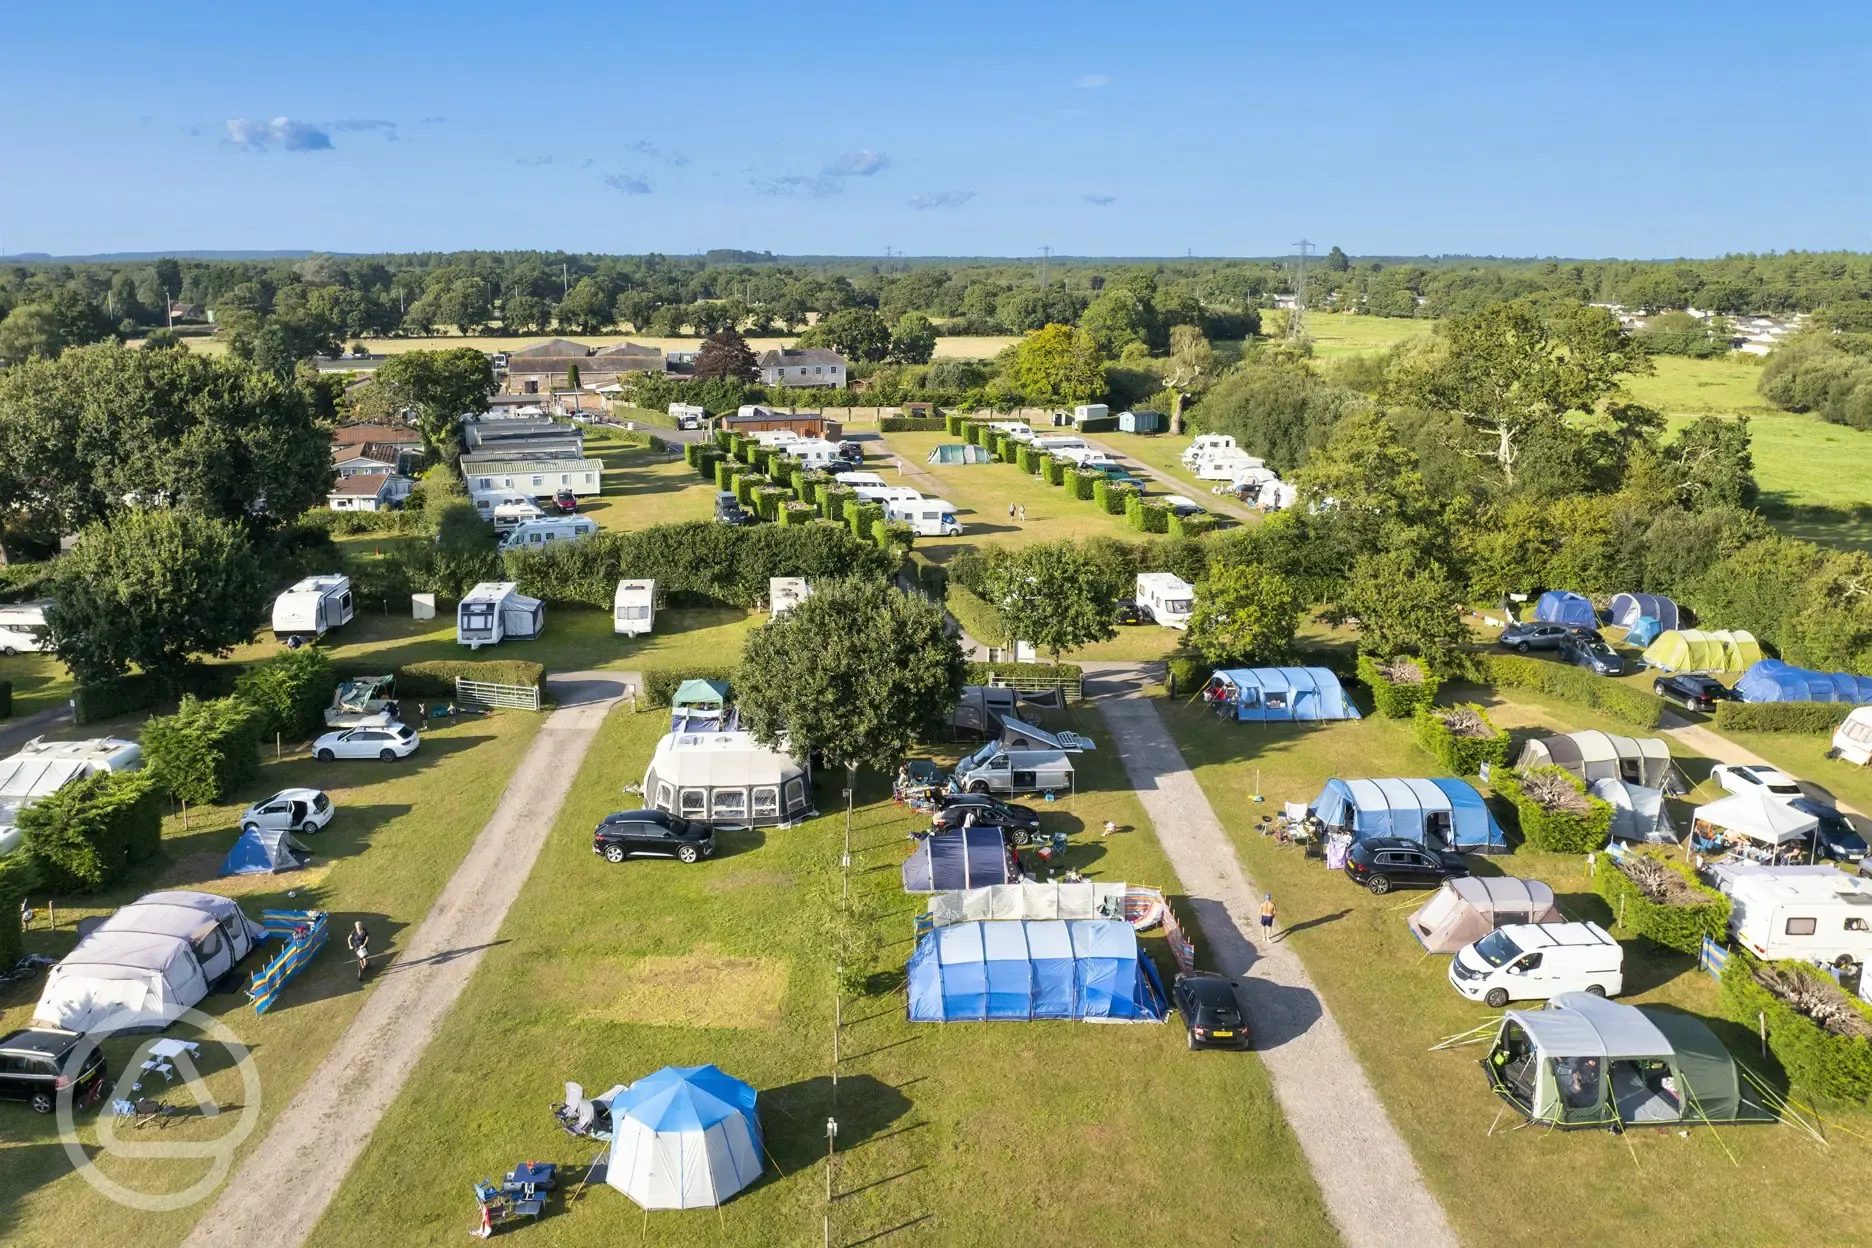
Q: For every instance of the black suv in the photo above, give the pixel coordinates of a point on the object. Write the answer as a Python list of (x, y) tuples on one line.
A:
[(1212, 1017), (38, 1063), (1021, 823), (1132, 612), (728, 509), (1693, 693), (1386, 861), (651, 834)]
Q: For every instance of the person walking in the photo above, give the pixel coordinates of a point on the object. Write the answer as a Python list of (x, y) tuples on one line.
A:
[(1023, 513), (359, 943), (1267, 917), (1010, 511)]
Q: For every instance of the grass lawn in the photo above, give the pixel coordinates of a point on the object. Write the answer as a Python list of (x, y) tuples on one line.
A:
[(1350, 333), (1649, 1188), (968, 1133), (398, 835), (640, 487), (38, 680)]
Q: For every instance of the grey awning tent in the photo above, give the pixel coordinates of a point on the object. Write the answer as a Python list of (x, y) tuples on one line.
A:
[(982, 708), (1638, 813), (1597, 755), (1628, 609), (970, 858)]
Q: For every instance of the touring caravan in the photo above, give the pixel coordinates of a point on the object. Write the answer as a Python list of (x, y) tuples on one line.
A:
[(496, 611), (633, 608), (1023, 759), (487, 502), (1810, 914), (1059, 445), (1169, 598), (1019, 430), (1227, 466), (786, 592), (854, 480), (1537, 962), (44, 767), (530, 534), (1852, 740), (23, 628), (309, 608), (927, 517), (813, 452), (510, 515), (1205, 445), (888, 494), (781, 438), (688, 415)]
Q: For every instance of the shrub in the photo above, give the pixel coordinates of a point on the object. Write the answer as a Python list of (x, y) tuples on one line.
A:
[(204, 751), (838, 500), (952, 424), (1192, 526), (1679, 925), (290, 693), (1080, 484), (436, 679), (989, 673), (1572, 684), (1010, 448), (973, 431), (85, 836), (661, 683), (796, 513), (108, 699), (17, 878), (1809, 717), (1187, 675), (767, 500), (724, 439), (977, 616), (1053, 469), (863, 517), (6, 703), (744, 486), (1109, 496), (893, 535), (692, 454), (1820, 1059), (912, 424), (1398, 698), (1145, 516), (1577, 824), (1449, 737), (1027, 458), (725, 472), (1098, 424)]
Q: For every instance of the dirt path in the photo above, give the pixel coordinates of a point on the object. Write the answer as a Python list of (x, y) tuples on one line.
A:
[(279, 1191), (1367, 1178)]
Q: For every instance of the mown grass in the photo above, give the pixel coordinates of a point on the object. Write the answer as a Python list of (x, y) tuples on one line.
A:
[(961, 1133), (39, 681), (640, 487)]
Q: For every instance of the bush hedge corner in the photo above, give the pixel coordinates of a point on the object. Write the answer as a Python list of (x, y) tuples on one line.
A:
[(1557, 831)]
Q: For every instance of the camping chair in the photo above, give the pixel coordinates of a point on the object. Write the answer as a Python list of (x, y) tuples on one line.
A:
[(142, 1112)]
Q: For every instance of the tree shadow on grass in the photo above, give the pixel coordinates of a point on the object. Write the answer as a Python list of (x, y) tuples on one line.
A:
[(25, 1168), (793, 1116)]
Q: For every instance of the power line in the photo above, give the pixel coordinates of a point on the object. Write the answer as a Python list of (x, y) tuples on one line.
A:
[(1296, 319), (1046, 253)]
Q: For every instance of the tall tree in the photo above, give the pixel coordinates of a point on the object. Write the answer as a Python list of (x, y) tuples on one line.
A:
[(1245, 614), (726, 356), (30, 332), (1404, 605), (440, 386), (586, 308), (914, 339), (858, 334), (1053, 595), (1057, 365)]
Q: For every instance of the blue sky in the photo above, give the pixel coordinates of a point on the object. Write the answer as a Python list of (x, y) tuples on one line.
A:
[(1643, 129)]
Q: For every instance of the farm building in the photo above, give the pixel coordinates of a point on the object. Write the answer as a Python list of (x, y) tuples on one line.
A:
[(1771, 680), (1628, 609), (1557, 606), (1440, 813), (1280, 694), (1692, 650), (1601, 756)]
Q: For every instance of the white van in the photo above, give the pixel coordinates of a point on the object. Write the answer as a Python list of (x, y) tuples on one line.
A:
[(888, 494), (1169, 598), (1809, 914), (1539, 961), (531, 534), (23, 627), (1206, 445), (927, 517), (633, 608)]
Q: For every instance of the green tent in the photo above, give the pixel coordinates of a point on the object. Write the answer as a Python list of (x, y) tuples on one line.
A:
[(700, 696), (1692, 650)]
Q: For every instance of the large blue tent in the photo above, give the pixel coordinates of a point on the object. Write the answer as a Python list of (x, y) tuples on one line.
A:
[(684, 1137), (1281, 694), (973, 857), (1558, 606), (1442, 813), (1628, 609), (1021, 970), (1771, 680)]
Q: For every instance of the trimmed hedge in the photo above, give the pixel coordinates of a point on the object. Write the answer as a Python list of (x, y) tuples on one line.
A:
[(85, 836), (1145, 516), (1573, 684), (913, 424), (6, 703), (436, 679), (1053, 469), (1098, 424), (1817, 718), (1397, 701), (206, 750), (1187, 675), (863, 518), (1193, 525), (1463, 756), (1823, 1063), (725, 472), (661, 683), (1112, 497), (290, 693), (17, 879), (1675, 927), (976, 615), (140, 691), (952, 424), (837, 500), (767, 500), (797, 513), (1558, 831), (973, 433)]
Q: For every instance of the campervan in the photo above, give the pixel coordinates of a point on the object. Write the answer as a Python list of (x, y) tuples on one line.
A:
[(1810, 914), (1226, 466), (496, 611), (512, 514), (1023, 759), (1169, 598), (852, 480), (23, 627), (1537, 962), (531, 534), (486, 502), (927, 517), (777, 438), (888, 494), (1205, 445), (813, 452), (633, 608), (786, 592), (309, 608), (688, 415)]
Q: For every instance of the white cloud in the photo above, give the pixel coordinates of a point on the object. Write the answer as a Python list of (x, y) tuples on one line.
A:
[(1092, 82), (940, 199), (251, 135), (628, 184), (857, 165), (795, 185)]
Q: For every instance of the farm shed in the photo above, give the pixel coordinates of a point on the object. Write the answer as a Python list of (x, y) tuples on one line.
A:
[(1628, 609), (1559, 606), (1692, 650), (1771, 680), (1281, 694), (1441, 813), (1469, 907), (1017, 971), (1595, 755)]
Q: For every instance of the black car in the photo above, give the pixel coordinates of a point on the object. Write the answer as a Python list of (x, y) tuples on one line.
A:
[(1132, 612), (728, 509), (1592, 653), (1693, 693), (37, 1064), (651, 834), (1834, 837), (1539, 635), (1021, 823), (851, 452), (1212, 1016), (1384, 862)]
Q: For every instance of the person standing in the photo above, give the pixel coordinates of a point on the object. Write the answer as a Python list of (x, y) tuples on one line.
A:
[(1267, 917)]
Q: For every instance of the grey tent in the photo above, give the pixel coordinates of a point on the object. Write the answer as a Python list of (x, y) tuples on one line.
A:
[(1600, 755), (1638, 813), (1628, 609), (1466, 909)]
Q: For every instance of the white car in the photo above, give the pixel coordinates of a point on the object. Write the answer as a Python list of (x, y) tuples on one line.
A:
[(295, 810), (1749, 778), (389, 742), (1182, 506)]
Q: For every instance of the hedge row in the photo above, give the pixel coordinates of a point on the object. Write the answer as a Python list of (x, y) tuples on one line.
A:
[(661, 683), (206, 750), (1822, 1062), (6, 699), (140, 691), (85, 836), (436, 679), (976, 615), (290, 693), (1187, 675), (930, 577), (912, 424), (1145, 515), (1559, 831), (17, 879), (1193, 525), (1463, 756), (1817, 718), (1572, 684), (1393, 700), (1675, 927)]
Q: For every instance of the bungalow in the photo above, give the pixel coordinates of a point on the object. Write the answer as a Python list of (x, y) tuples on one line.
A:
[(369, 491), (805, 424), (538, 476), (386, 457), (536, 369), (803, 366), (389, 435)]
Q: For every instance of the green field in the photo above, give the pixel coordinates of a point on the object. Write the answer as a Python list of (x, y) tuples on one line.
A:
[(39, 681), (967, 1134), (1350, 333), (641, 487)]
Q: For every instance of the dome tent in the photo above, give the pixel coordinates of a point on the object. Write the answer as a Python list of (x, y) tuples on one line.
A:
[(1469, 907), (1771, 680), (1643, 631), (686, 1137), (1559, 606), (263, 851), (1442, 813), (1281, 694), (1628, 609), (1692, 650)]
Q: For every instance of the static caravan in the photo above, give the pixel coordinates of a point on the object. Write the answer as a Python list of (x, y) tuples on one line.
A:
[(532, 534), (1205, 445), (535, 478), (43, 767), (1811, 914), (726, 779), (786, 592), (23, 627), (1169, 598), (1023, 759), (927, 517), (510, 515), (496, 611), (310, 608), (633, 608)]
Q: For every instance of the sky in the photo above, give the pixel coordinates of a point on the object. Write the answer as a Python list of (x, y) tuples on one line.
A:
[(1646, 129)]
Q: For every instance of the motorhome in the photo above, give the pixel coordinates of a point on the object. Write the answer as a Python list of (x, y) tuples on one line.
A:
[(927, 517), (529, 534), (1812, 914), (633, 608), (813, 452), (777, 437), (786, 592), (1169, 598), (1226, 466), (510, 515), (1019, 430), (1537, 962), (1023, 759), (1055, 445), (852, 480), (688, 415), (23, 627), (1206, 445), (496, 611), (1085, 457), (888, 494), (310, 608), (44, 767)]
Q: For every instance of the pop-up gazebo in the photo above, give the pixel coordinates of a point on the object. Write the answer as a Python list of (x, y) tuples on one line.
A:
[(1281, 694), (683, 1138), (1758, 817), (701, 706), (1442, 813), (1558, 606)]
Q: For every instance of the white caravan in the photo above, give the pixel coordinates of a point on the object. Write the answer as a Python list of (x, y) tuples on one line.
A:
[(23, 627), (509, 516), (1205, 445), (1084, 456), (888, 494), (487, 502), (813, 452), (532, 534), (688, 415), (1054, 446), (307, 610), (1226, 466), (927, 517), (1019, 430), (786, 592), (1852, 740), (44, 767), (1169, 598), (633, 608), (777, 438), (852, 480), (1537, 962), (1810, 914), (496, 611)]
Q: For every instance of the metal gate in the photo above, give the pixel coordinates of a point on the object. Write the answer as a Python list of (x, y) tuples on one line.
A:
[(481, 693)]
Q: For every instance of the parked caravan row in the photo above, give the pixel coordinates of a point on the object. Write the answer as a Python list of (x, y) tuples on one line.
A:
[(23, 628), (311, 608), (44, 767), (496, 611)]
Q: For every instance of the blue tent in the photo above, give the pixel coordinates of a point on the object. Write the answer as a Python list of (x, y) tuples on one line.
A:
[(968, 858), (1282, 694), (1628, 609), (265, 851), (1643, 631), (1443, 813), (1558, 606), (1021, 970), (684, 1137), (1771, 680)]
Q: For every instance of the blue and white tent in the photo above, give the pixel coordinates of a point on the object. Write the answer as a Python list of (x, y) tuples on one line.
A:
[(1558, 606), (1628, 609), (1281, 694), (1442, 813), (1023, 970), (1771, 680), (1643, 631), (265, 851), (683, 1138), (968, 858)]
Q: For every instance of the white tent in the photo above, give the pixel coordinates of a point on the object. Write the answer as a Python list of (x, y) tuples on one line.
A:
[(1853, 739), (685, 1137), (1756, 816), (1637, 812), (1028, 900), (123, 979)]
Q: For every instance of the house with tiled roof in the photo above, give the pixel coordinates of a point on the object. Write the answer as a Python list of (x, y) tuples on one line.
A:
[(368, 491), (803, 366)]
